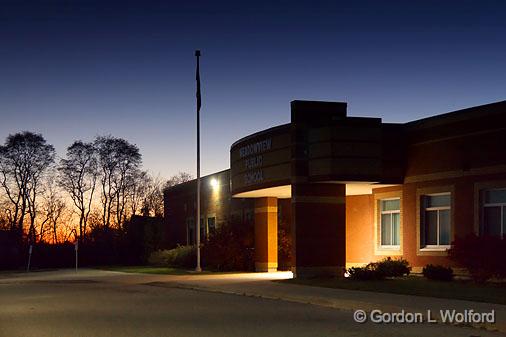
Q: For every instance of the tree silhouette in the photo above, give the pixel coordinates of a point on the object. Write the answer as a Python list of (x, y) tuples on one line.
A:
[(78, 177), (118, 162), (24, 159)]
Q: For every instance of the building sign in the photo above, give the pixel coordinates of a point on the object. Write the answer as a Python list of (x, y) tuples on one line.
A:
[(254, 162), (253, 177), (261, 160), (254, 173), (258, 147)]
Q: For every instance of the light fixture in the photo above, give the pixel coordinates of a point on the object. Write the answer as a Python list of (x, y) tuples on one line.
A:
[(214, 183)]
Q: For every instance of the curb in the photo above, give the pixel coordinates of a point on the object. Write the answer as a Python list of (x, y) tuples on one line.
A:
[(313, 301)]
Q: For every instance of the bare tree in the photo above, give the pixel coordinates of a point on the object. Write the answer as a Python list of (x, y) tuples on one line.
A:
[(95, 220), (53, 208), (153, 200), (78, 177), (147, 195), (4, 219), (66, 228), (23, 161), (139, 187), (107, 169), (118, 161), (5, 213), (13, 179), (178, 178)]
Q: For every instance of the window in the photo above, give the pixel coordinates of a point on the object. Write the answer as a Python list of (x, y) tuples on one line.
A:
[(493, 215), (436, 221), (390, 222)]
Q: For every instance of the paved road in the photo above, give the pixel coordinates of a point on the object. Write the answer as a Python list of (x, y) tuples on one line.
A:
[(95, 303)]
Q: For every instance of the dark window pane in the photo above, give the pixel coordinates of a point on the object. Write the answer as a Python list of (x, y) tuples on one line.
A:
[(391, 205), (492, 220), (504, 222), (438, 200), (444, 227), (386, 229), (495, 196), (431, 227)]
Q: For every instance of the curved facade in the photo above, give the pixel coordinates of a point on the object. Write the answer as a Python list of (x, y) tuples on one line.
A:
[(261, 161), (321, 144), (352, 190)]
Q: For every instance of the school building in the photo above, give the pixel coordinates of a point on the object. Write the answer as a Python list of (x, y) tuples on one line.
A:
[(351, 190)]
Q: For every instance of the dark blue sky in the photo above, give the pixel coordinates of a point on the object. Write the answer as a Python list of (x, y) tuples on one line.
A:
[(76, 69)]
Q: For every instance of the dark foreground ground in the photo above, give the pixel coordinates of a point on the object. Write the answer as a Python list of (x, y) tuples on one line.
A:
[(101, 303)]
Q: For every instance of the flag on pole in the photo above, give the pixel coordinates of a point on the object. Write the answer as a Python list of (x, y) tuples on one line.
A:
[(199, 101)]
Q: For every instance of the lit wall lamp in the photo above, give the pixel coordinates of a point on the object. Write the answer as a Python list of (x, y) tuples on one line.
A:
[(214, 183)]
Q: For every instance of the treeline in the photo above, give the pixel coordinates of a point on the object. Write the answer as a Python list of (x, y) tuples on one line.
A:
[(95, 187)]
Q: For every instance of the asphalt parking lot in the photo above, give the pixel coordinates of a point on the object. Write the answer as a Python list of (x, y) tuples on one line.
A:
[(99, 303)]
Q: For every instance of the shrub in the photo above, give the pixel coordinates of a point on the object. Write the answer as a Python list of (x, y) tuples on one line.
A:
[(392, 268), (158, 258), (366, 273), (482, 256), (438, 273), (284, 249), (379, 270), (181, 257), (230, 247)]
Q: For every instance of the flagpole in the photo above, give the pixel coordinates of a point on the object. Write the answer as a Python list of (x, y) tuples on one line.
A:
[(197, 222)]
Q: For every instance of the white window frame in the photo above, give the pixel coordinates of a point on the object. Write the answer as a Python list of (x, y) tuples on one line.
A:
[(396, 247), (437, 209), (484, 205)]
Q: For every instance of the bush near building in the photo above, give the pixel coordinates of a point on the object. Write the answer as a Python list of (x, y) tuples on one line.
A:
[(482, 256), (367, 273), (180, 257), (438, 273), (392, 268), (230, 247), (284, 248), (379, 270), (227, 248)]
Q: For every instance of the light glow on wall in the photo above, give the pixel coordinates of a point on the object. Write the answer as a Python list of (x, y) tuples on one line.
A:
[(214, 183)]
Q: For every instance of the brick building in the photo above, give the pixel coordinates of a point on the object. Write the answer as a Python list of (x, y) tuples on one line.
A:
[(354, 190)]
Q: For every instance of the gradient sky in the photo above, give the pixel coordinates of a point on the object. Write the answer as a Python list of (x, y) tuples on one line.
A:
[(76, 69)]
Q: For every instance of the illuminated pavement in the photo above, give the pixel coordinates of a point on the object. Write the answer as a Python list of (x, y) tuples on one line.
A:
[(100, 303)]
